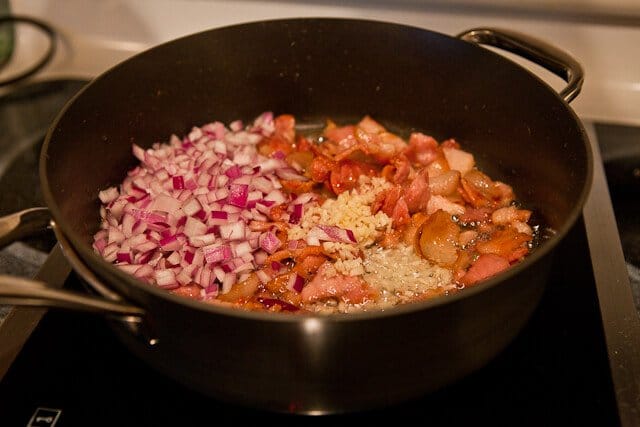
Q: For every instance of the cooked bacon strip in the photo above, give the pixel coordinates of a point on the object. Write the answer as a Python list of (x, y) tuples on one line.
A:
[(487, 265), (350, 289), (505, 243), (438, 239), (422, 149), (344, 177), (416, 194)]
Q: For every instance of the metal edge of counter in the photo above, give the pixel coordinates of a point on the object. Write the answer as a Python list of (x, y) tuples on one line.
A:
[(620, 318), (17, 327)]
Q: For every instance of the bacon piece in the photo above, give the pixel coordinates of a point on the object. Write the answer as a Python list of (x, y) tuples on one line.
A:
[(504, 243), (459, 160), (481, 191), (308, 266), (300, 159), (350, 289), (444, 184), (189, 291), (503, 193), (296, 186), (401, 168), (510, 214), (477, 215), (282, 139), (242, 290), (450, 143), (321, 168), (438, 239), (344, 177), (442, 203), (370, 126), (487, 265), (400, 214), (422, 149), (275, 304), (343, 136), (417, 193), (285, 127), (390, 145), (438, 166), (391, 197)]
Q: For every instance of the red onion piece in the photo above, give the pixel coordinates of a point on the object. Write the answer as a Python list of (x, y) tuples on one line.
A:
[(228, 281), (275, 265), (178, 182), (166, 279), (147, 216), (238, 194), (170, 243), (269, 242), (263, 276), (108, 195), (212, 290), (233, 231), (123, 257), (296, 215), (217, 253), (296, 283), (193, 227), (290, 174), (329, 233), (233, 172)]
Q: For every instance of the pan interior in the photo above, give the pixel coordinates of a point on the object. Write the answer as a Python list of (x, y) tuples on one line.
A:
[(409, 79)]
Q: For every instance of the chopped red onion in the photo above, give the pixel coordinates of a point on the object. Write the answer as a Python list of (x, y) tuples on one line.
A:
[(108, 195), (202, 240), (170, 243), (276, 266), (238, 194), (290, 174), (193, 227), (123, 257), (263, 276), (296, 215), (191, 207), (329, 233), (182, 215), (233, 231), (296, 283), (178, 182), (269, 242), (166, 279), (212, 290), (234, 172), (228, 281), (216, 253), (242, 248)]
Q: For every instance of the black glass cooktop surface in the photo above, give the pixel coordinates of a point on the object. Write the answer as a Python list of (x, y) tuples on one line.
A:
[(73, 371)]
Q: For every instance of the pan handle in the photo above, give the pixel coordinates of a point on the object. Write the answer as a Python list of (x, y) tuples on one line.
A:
[(22, 224), (27, 292), (550, 57)]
